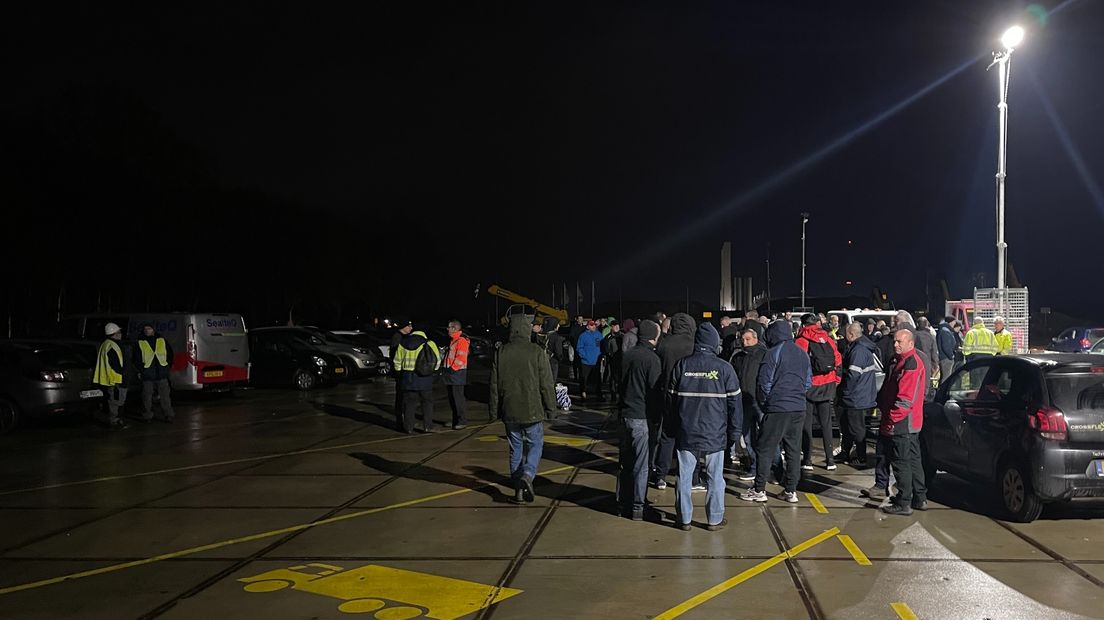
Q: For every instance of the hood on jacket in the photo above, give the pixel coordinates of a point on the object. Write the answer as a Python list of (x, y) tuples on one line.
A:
[(707, 339), (865, 343), (628, 325), (815, 333), (521, 327), (682, 323), (778, 332), (413, 340), (550, 324)]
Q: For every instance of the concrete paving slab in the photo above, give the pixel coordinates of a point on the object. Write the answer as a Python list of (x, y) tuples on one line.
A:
[(229, 599), (419, 533), (1073, 539), (631, 588), (273, 491), (142, 533), (486, 491), (20, 526), (338, 462), (1094, 569), (107, 494), (935, 534), (567, 534), (946, 589), (128, 593)]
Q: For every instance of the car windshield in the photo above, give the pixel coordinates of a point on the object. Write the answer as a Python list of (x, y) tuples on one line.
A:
[(1077, 392), (62, 358)]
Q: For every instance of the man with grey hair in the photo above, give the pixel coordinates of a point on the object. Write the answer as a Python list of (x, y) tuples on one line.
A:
[(858, 392), (925, 345)]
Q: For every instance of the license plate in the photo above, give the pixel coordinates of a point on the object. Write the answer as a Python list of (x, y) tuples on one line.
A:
[(1099, 466), (91, 394), (212, 373), (339, 371)]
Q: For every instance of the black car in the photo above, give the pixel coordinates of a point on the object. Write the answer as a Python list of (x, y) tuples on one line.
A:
[(44, 378), (282, 358), (1030, 426)]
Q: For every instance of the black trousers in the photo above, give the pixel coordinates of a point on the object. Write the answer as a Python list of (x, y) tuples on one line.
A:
[(823, 411), (413, 400), (854, 420), (903, 454), (775, 429), (590, 377), (458, 404)]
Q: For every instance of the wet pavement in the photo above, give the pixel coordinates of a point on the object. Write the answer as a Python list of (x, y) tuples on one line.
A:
[(277, 504)]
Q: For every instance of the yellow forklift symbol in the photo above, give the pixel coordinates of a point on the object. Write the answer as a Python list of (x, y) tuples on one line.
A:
[(392, 593)]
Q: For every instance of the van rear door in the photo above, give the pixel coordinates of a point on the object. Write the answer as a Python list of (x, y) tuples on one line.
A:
[(221, 348)]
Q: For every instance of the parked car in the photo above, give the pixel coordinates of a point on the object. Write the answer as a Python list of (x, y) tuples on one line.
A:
[(44, 378), (356, 359), (1076, 340), (284, 357), (1031, 427), (366, 344)]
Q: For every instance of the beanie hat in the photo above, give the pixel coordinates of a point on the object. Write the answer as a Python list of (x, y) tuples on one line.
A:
[(649, 330), (628, 324), (707, 338)]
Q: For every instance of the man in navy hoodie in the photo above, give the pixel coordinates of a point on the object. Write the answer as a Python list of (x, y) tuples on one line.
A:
[(704, 394), (784, 378), (859, 392)]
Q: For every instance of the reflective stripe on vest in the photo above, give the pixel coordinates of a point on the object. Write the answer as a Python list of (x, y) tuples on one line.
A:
[(105, 375), (159, 352), (979, 340)]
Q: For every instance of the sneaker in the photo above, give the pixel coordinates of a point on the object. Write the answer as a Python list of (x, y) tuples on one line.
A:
[(789, 497), (831, 467), (683, 526), (751, 495), (661, 484), (697, 488), (527, 490), (897, 509), (637, 514), (837, 450), (746, 477), (716, 527), (920, 505), (459, 427), (874, 492), (806, 467), (519, 496)]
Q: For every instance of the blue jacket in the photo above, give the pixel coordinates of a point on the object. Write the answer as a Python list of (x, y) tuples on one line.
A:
[(704, 392), (859, 390), (947, 342), (786, 374), (589, 347)]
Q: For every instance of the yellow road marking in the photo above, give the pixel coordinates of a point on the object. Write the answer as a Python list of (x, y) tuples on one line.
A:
[(903, 611), (727, 585), (815, 501), (854, 550), (252, 537), (205, 465)]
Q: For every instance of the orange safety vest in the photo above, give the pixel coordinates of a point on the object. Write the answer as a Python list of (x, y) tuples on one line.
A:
[(457, 358)]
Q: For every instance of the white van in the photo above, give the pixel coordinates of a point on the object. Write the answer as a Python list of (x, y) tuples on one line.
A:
[(210, 351), (862, 314)]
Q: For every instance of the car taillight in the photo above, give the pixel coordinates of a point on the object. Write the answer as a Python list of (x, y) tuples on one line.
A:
[(1050, 423), (54, 376)]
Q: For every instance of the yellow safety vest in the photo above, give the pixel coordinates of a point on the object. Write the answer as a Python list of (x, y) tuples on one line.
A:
[(405, 358), (105, 375), (979, 340), (1004, 342), (159, 352)]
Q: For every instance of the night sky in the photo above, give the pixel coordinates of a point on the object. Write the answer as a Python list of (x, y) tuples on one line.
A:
[(529, 144)]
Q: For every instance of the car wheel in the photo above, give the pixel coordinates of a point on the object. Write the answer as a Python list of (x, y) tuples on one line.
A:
[(304, 380), (9, 415), (1018, 498)]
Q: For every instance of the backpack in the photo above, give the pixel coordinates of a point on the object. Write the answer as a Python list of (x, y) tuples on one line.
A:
[(821, 357), (426, 362)]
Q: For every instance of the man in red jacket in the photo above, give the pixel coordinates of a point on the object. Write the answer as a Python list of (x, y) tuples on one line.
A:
[(825, 359), (901, 401)]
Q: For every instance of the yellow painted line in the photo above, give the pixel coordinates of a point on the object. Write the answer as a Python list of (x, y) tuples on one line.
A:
[(727, 585), (815, 501), (171, 470), (903, 611), (854, 550), (250, 538)]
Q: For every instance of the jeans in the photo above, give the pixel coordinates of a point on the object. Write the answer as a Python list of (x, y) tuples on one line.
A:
[(854, 420), (946, 367), (632, 481), (823, 411), (412, 400), (458, 404), (785, 429), (162, 386), (903, 453), (753, 417), (714, 495), (526, 446)]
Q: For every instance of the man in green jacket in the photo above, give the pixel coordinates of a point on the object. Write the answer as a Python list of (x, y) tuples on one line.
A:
[(523, 396)]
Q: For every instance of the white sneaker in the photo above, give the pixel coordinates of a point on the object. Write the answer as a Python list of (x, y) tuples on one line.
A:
[(697, 487), (807, 468), (831, 467), (661, 484), (837, 450), (788, 497), (751, 495), (745, 477)]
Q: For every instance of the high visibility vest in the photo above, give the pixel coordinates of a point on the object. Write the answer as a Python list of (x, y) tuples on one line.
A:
[(979, 340), (405, 358), (104, 374), (158, 352), (1004, 342)]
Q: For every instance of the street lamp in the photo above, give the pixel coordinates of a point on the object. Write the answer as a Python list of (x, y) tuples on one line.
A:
[(804, 220), (1003, 60)]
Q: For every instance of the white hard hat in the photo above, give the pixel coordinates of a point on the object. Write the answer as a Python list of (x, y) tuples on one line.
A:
[(112, 328)]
